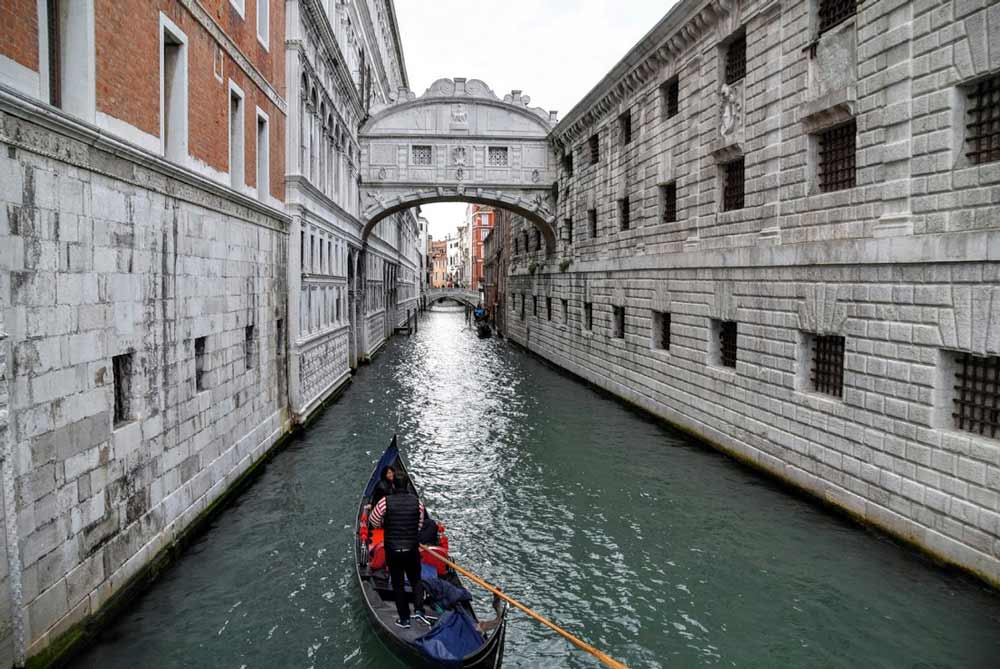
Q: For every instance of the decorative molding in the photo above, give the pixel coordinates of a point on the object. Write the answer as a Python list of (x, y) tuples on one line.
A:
[(823, 308)]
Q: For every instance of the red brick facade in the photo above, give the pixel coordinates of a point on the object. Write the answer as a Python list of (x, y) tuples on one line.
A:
[(19, 32)]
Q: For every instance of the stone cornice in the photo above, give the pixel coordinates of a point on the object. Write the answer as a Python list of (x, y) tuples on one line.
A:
[(319, 20), (202, 16), (95, 150), (304, 184), (372, 30), (667, 41)]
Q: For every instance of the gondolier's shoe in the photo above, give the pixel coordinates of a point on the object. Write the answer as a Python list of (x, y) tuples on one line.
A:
[(403, 623)]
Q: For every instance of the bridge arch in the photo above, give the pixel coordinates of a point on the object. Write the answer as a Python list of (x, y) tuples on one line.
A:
[(460, 142)]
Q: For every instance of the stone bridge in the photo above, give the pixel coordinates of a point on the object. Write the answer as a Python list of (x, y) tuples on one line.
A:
[(459, 142), (467, 297)]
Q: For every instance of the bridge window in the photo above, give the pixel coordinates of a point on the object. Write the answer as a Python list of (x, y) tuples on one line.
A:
[(733, 176), (983, 134), (619, 322), (668, 203), (592, 222), (595, 149), (625, 126), (736, 57), (588, 315), (661, 330), (422, 155), (497, 156), (837, 147), (624, 214), (670, 97)]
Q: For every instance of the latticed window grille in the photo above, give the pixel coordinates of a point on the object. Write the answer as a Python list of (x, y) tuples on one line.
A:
[(595, 149), (727, 343), (624, 215), (977, 394), (983, 128), (736, 58), (832, 12), (497, 156), (588, 315), (422, 155), (837, 148), (668, 203), (733, 185), (828, 365), (592, 222), (625, 126), (671, 97), (619, 322)]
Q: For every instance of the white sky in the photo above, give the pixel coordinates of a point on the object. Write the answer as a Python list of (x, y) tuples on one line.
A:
[(555, 51)]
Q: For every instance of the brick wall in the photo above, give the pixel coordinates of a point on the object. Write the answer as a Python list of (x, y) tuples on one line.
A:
[(899, 265), (19, 21)]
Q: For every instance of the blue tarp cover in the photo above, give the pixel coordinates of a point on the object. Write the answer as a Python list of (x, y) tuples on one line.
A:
[(454, 637), (443, 593)]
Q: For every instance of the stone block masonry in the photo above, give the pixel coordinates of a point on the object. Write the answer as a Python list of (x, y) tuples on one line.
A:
[(723, 263), (143, 304)]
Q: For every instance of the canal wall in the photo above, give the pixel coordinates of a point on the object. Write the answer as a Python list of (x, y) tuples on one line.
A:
[(710, 272), (147, 307)]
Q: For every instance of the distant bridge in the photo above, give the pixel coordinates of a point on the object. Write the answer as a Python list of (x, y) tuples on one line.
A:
[(462, 295)]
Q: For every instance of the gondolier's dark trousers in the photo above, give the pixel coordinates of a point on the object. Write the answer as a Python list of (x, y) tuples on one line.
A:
[(405, 562)]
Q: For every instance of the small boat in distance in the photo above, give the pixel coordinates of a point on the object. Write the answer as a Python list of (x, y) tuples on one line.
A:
[(455, 636)]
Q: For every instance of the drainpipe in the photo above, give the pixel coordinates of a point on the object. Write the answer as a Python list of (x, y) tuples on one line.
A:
[(14, 576)]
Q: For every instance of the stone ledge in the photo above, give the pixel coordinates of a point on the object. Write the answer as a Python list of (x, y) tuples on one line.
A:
[(826, 111)]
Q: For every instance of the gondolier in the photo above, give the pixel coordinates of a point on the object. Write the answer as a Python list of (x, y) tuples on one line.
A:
[(401, 513)]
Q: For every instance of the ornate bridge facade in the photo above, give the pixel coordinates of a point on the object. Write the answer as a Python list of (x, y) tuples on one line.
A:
[(459, 142), (467, 297)]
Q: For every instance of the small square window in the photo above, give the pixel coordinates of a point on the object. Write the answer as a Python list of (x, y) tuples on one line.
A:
[(670, 94), (733, 184), (736, 58), (624, 214), (618, 326), (976, 398), (497, 156), (983, 128), (592, 222), (121, 366), (827, 364), (248, 346), (625, 127), (832, 12), (548, 308), (595, 149), (588, 315), (199, 364), (567, 163), (661, 330), (837, 148), (422, 155), (668, 203), (568, 230), (727, 341)]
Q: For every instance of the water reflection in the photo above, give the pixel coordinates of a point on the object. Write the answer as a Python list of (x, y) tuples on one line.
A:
[(657, 550)]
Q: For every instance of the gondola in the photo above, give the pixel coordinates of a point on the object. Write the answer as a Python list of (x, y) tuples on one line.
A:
[(413, 645), (483, 331)]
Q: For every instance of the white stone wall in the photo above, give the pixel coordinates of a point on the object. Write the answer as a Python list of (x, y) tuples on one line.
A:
[(109, 251), (904, 265)]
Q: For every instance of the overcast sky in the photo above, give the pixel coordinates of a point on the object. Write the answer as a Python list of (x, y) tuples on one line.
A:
[(555, 51)]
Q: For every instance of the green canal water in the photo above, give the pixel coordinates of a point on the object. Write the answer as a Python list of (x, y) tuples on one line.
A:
[(652, 547)]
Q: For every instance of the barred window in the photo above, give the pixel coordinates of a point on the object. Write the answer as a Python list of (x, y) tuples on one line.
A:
[(513, 301), (625, 126), (568, 230), (668, 203), (497, 156), (595, 149), (727, 343), (538, 240), (199, 363), (670, 92), (522, 306), (624, 213), (977, 394), (588, 315), (619, 322), (983, 128), (832, 12), (732, 185), (121, 367), (565, 308), (828, 365), (548, 308), (567, 163), (421, 155), (661, 330), (736, 58), (592, 222), (837, 148)]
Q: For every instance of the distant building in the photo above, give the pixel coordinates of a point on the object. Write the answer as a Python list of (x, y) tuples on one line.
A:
[(439, 264), (496, 262), (480, 220)]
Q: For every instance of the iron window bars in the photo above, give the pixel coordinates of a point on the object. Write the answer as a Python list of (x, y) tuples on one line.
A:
[(828, 365), (736, 58), (732, 187), (977, 394), (624, 215), (595, 149), (727, 343), (588, 315), (619, 324), (592, 222), (625, 126), (983, 128), (662, 322), (832, 12), (422, 155), (671, 97), (837, 148), (497, 156), (668, 203)]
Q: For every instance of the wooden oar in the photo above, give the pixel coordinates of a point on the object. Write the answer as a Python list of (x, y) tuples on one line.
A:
[(611, 662)]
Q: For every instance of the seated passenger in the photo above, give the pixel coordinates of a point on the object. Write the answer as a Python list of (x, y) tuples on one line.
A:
[(385, 486)]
